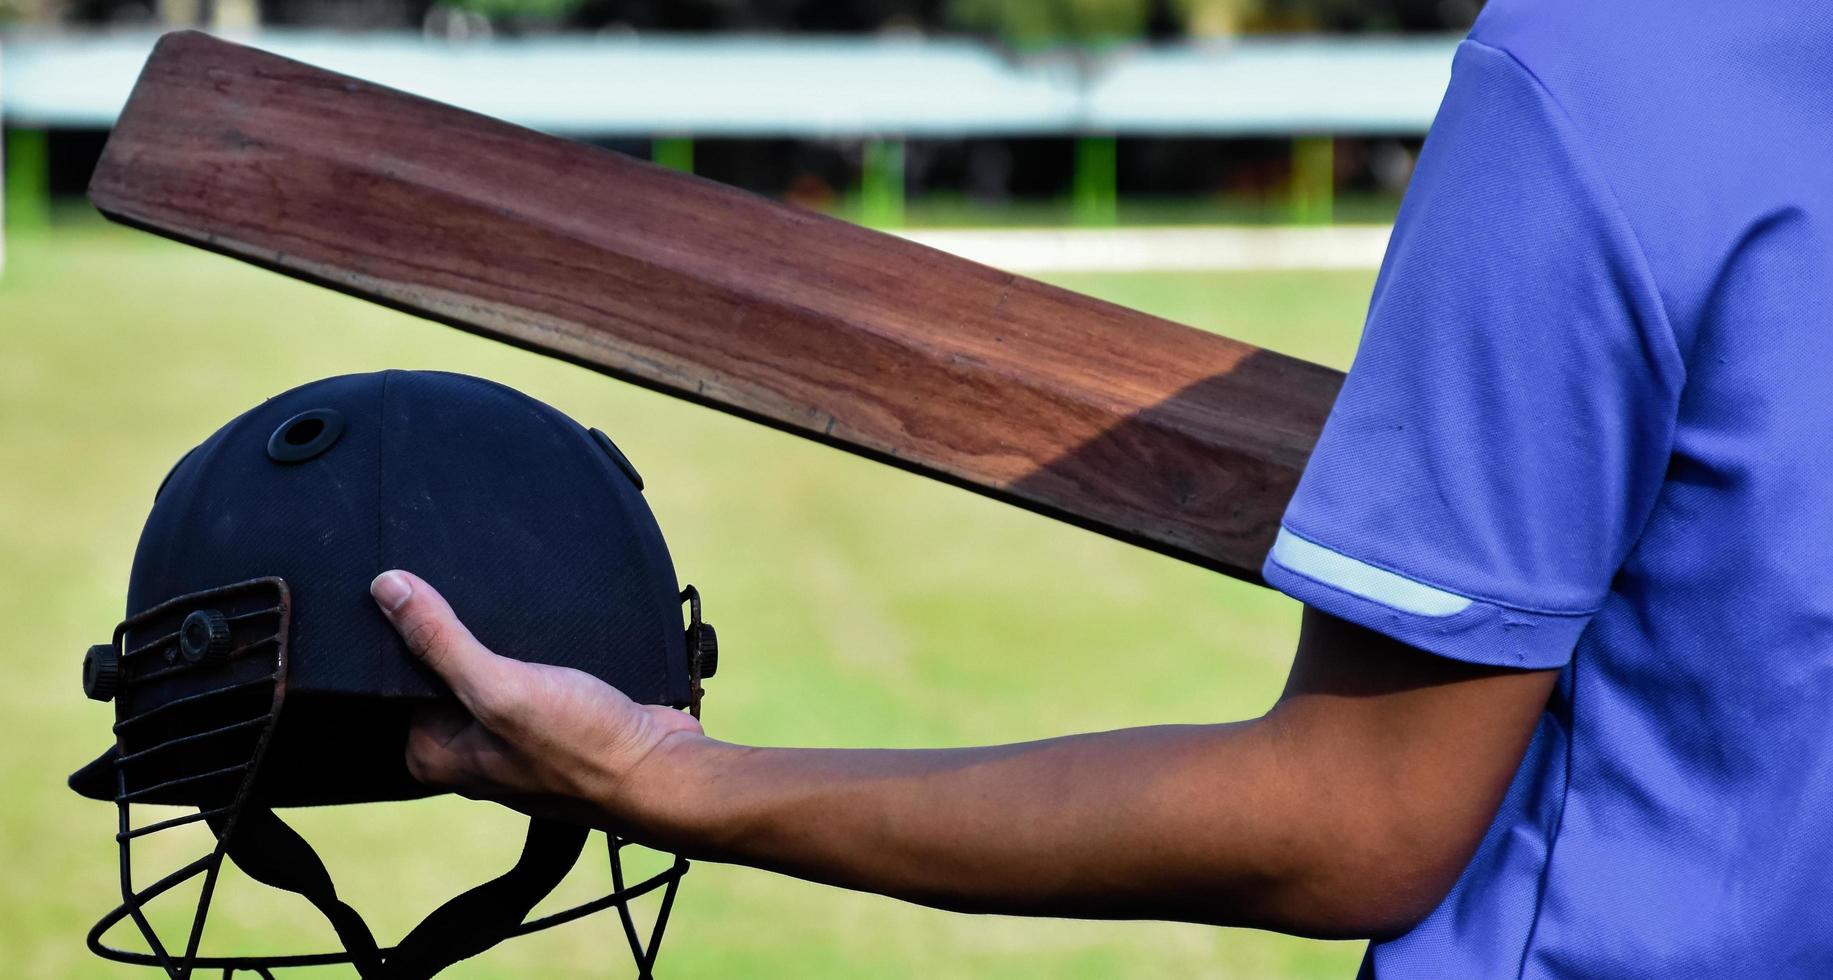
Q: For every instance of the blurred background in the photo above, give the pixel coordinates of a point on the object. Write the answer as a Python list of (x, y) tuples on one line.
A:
[(1232, 164)]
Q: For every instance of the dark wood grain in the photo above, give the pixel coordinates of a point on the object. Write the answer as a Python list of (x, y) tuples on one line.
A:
[(1156, 433)]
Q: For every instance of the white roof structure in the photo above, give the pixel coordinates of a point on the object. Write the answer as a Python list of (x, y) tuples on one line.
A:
[(811, 87)]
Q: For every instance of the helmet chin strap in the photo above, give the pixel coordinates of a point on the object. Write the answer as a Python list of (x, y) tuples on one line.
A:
[(490, 913), (274, 854)]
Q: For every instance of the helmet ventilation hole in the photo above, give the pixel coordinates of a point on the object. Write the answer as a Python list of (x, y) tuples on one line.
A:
[(303, 431), (305, 435)]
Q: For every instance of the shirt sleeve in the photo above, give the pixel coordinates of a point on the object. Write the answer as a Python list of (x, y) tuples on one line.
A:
[(1504, 431)]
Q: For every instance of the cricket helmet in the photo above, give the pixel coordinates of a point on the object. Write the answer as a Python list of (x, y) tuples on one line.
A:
[(254, 672)]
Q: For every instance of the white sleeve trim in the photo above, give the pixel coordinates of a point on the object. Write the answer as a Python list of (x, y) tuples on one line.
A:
[(1358, 578)]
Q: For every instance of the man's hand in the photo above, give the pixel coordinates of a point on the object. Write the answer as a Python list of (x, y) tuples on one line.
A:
[(1348, 810), (543, 738)]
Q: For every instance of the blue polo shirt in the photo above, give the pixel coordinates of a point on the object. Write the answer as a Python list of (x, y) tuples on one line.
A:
[(1590, 427)]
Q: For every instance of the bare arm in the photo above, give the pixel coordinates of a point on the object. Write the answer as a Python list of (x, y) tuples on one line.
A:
[(1347, 810)]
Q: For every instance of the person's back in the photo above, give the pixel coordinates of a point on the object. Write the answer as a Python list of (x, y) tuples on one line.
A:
[(1593, 403)]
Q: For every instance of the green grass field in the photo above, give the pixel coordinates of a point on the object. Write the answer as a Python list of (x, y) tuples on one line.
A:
[(857, 605)]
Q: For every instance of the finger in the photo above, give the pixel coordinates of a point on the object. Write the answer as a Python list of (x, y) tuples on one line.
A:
[(431, 760), (434, 634), (468, 758), (441, 722)]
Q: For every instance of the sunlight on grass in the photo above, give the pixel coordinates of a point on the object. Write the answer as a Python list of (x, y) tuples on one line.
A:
[(857, 605)]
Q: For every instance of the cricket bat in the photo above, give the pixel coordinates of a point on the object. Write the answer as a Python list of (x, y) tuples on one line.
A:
[(1155, 433)]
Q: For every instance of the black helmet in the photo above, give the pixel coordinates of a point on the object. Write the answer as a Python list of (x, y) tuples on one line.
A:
[(253, 671)]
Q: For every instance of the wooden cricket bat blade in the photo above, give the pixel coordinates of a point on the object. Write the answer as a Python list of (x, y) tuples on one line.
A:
[(1155, 433)]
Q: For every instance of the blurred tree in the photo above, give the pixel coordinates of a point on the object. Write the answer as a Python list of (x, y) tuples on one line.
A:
[(1217, 18), (1021, 23), (831, 16), (29, 11), (519, 10), (861, 15), (1353, 16), (1038, 23)]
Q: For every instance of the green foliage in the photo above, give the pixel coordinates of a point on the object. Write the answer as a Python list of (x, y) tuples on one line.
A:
[(1215, 18), (1039, 23), (1096, 23), (549, 10)]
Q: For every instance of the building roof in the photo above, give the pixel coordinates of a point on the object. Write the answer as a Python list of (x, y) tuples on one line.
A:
[(810, 87)]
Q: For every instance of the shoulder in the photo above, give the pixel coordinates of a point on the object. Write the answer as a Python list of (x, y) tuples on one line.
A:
[(1692, 112), (1596, 61)]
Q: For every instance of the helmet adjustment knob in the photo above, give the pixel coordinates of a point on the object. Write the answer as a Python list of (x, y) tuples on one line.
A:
[(204, 637), (702, 643), (705, 650), (101, 672)]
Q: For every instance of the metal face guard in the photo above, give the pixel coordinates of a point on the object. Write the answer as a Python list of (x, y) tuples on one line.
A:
[(239, 721), (223, 733)]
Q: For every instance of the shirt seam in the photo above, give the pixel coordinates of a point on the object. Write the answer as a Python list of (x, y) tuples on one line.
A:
[(1559, 821), (1635, 237), (1609, 188), (1462, 593)]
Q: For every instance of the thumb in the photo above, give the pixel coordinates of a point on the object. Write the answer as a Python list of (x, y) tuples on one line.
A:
[(434, 634)]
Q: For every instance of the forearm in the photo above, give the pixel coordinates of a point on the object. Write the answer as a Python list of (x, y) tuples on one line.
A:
[(1349, 809), (1215, 824)]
